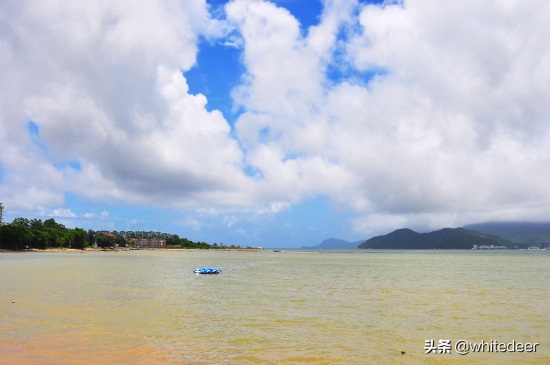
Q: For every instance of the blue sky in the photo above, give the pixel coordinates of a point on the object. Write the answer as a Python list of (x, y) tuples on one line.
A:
[(274, 123)]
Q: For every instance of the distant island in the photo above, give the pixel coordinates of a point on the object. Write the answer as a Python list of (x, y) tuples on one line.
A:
[(447, 238), (334, 244), (520, 235)]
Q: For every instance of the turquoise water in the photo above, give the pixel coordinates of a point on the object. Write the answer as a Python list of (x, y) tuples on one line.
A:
[(292, 307)]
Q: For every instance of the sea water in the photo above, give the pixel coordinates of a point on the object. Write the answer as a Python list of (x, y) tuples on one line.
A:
[(290, 307)]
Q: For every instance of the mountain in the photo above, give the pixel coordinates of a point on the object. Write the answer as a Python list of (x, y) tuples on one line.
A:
[(447, 238), (527, 233), (334, 244)]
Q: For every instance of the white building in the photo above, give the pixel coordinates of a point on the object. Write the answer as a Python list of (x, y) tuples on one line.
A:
[(2, 215)]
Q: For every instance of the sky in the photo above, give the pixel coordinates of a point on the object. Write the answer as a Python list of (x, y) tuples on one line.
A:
[(274, 123)]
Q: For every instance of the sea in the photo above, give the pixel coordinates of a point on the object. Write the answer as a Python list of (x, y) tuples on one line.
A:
[(268, 307)]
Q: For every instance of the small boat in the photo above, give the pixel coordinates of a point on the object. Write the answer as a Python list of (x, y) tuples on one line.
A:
[(207, 270)]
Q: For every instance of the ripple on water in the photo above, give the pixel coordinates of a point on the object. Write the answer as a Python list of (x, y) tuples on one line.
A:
[(270, 308)]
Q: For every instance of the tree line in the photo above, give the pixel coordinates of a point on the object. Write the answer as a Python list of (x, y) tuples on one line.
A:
[(25, 233)]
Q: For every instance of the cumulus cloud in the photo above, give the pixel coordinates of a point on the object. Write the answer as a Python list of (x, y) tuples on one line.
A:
[(64, 213), (461, 109), (410, 112), (442, 119), (102, 85)]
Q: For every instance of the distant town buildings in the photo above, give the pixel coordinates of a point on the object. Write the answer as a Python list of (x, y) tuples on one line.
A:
[(148, 242), (2, 215), (491, 247), (109, 236), (139, 242)]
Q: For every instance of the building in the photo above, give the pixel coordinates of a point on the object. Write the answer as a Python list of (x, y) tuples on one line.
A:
[(148, 242), (2, 215)]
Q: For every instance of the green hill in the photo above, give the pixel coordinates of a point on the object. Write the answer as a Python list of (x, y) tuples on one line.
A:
[(333, 244), (526, 233), (447, 238)]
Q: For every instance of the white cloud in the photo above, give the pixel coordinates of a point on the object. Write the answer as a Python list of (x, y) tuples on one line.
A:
[(192, 224), (463, 112), (438, 115), (230, 220), (242, 232), (61, 212), (454, 127), (103, 83)]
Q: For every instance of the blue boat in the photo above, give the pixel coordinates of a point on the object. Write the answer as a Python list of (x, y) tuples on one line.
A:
[(207, 270)]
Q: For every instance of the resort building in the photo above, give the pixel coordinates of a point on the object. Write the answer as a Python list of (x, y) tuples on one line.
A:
[(2, 215), (148, 242)]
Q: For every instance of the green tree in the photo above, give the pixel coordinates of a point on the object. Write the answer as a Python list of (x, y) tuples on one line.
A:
[(78, 238), (41, 239), (104, 241), (120, 241), (22, 222), (15, 237), (51, 223), (91, 237), (37, 224), (172, 240)]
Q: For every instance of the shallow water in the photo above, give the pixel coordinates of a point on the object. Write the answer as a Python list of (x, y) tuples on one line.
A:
[(292, 307)]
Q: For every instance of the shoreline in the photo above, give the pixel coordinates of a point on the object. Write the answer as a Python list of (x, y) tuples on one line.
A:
[(125, 249)]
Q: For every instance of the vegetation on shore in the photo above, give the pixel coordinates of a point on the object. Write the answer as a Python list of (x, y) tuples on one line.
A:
[(23, 233)]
